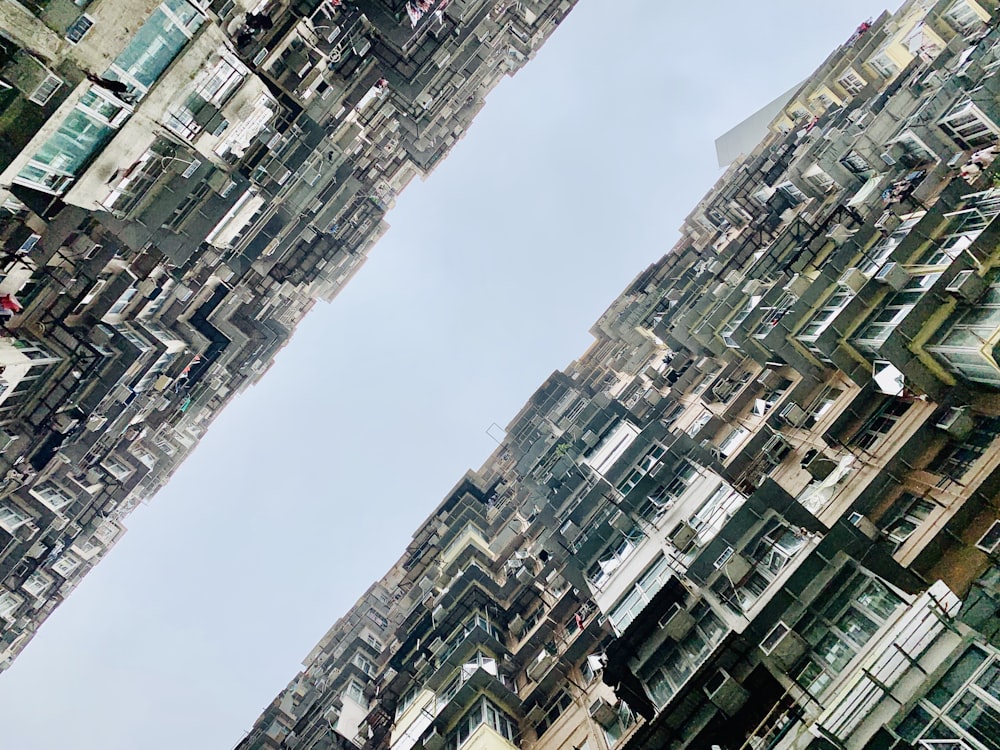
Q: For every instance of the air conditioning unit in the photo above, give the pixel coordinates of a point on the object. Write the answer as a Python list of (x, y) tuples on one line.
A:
[(6, 440), (888, 222), (516, 625), (819, 465), (677, 622), (863, 524), (683, 536), (603, 713), (540, 666), (967, 285), (768, 378), (621, 521), (893, 275), (783, 645), (26, 531), (420, 663), (793, 414), (725, 692), (798, 285), (957, 422), (840, 234), (853, 279), (735, 566), (753, 287), (536, 714), (776, 448), (434, 740)]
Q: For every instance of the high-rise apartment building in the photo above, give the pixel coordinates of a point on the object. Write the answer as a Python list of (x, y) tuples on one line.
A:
[(761, 510), (180, 181)]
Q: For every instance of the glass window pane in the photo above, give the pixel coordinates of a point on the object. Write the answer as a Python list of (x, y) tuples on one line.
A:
[(977, 718), (879, 600), (857, 626), (954, 678)]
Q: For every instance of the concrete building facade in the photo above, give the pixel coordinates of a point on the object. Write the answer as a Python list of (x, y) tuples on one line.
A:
[(762, 509)]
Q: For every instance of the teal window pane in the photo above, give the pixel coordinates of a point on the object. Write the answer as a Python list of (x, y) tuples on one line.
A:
[(74, 143), (977, 718), (957, 676), (152, 49)]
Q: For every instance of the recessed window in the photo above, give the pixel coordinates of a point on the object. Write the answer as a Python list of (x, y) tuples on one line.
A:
[(46, 89), (8, 604), (79, 28), (990, 541), (11, 518)]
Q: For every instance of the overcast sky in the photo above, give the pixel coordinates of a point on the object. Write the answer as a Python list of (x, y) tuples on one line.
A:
[(573, 179)]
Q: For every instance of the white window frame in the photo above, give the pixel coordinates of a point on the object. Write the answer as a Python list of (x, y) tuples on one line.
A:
[(46, 89), (9, 603), (851, 82), (12, 518)]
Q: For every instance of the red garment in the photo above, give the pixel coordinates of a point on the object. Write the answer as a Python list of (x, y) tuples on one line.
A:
[(8, 302)]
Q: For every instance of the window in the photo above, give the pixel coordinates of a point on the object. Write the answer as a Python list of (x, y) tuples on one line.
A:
[(855, 163), (407, 700), (364, 663), (714, 512), (556, 708), (8, 605), (964, 343), (793, 196), (79, 28), (37, 583), (642, 592), (963, 18), (614, 555), (823, 317), (884, 65), (376, 618), (969, 126), (677, 661), (880, 424), (958, 457), (733, 441), (885, 318), (776, 547), (620, 725), (52, 496), (66, 564), (915, 147), (840, 623), (819, 179), (851, 82), (11, 518), (483, 712), (703, 419), (964, 704), (648, 462), (45, 90), (122, 302), (154, 46), (905, 516), (355, 692)]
